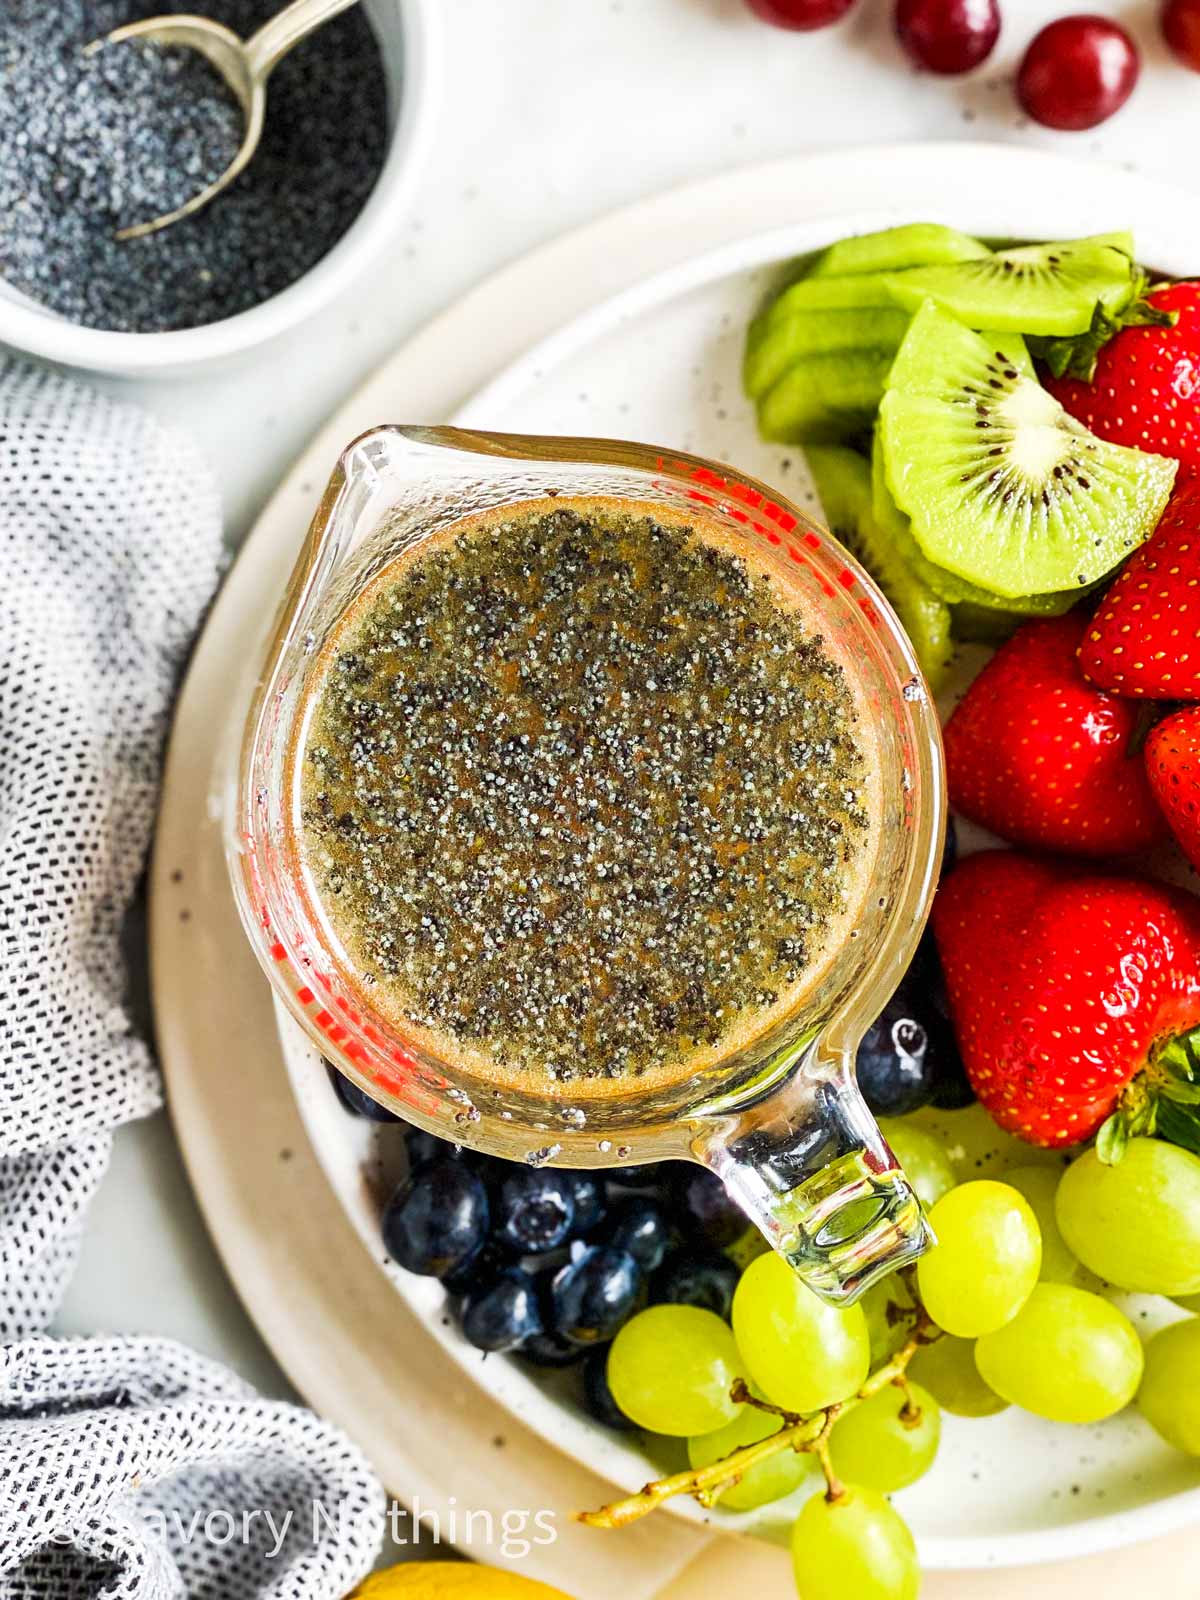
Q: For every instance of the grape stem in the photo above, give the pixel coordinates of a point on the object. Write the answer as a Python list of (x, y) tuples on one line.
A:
[(835, 1489), (801, 1433), (910, 1411)]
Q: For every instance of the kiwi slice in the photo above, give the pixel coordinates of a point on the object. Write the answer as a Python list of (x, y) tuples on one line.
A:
[(916, 244), (825, 399), (948, 586), (1036, 289), (1000, 484), (780, 345), (867, 292), (972, 624), (843, 482)]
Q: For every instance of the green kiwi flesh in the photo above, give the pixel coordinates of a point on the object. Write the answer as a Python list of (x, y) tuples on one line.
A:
[(825, 399), (949, 586), (1001, 485), (770, 355), (916, 244), (867, 292), (1035, 289), (843, 482), (974, 624)]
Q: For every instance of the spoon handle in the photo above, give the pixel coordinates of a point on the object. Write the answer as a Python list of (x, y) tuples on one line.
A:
[(295, 22)]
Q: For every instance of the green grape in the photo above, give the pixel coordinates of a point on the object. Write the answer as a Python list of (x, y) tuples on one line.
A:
[(923, 1156), (747, 1247), (1169, 1398), (947, 1369), (884, 1443), (765, 1481), (857, 1547), (671, 1369), (802, 1353), (890, 1312), (1067, 1355), (1136, 1224), (1039, 1185), (986, 1261)]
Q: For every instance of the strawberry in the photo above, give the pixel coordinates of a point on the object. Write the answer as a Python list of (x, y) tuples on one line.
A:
[(1073, 995), (1038, 755), (1145, 638), (1173, 766), (1144, 387)]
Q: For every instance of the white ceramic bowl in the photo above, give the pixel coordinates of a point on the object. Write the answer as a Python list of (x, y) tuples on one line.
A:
[(408, 32)]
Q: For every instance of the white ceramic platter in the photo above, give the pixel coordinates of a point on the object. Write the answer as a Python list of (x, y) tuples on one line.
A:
[(660, 363), (631, 327)]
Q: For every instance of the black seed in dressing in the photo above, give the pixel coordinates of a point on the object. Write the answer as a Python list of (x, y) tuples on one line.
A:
[(579, 793)]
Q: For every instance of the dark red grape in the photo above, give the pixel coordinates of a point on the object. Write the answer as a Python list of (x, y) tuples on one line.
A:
[(948, 36), (1077, 72), (801, 15), (1181, 29)]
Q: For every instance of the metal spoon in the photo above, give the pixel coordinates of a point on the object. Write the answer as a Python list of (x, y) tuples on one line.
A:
[(244, 64)]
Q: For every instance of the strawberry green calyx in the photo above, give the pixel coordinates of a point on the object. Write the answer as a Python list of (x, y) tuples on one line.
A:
[(1164, 1100), (1076, 355), (1138, 394)]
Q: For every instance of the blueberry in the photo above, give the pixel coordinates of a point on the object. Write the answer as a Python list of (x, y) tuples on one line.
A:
[(925, 972), (895, 1064), (357, 1101), (691, 1277), (951, 1087), (594, 1293), (436, 1218), (638, 1225), (423, 1147), (591, 1200), (534, 1210), (549, 1350), (597, 1396), (950, 848), (503, 1313), (485, 1262), (646, 1176), (706, 1207)]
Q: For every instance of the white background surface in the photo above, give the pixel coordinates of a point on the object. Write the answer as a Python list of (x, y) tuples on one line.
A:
[(552, 112)]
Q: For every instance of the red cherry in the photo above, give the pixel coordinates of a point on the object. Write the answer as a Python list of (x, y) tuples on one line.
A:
[(1077, 72), (1181, 29), (801, 15), (948, 35)]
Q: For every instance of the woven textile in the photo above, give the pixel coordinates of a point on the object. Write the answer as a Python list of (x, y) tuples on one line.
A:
[(128, 1467)]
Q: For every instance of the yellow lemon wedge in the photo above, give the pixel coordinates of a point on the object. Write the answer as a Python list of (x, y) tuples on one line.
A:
[(451, 1580)]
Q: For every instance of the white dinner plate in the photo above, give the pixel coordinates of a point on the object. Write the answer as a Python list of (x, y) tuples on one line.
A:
[(633, 328)]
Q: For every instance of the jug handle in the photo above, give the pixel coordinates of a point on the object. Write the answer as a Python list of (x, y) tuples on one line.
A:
[(807, 1163)]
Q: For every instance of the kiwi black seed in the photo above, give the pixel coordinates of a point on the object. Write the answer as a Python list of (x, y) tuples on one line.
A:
[(1050, 289), (1000, 484)]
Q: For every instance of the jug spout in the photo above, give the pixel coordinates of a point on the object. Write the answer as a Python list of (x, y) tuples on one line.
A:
[(808, 1164)]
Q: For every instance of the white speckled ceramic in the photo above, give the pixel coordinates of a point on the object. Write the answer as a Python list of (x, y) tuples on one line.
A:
[(660, 363)]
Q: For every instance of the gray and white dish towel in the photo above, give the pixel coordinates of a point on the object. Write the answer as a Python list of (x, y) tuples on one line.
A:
[(116, 1453)]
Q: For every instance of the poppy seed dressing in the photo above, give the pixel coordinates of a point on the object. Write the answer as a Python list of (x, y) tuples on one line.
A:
[(581, 796)]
